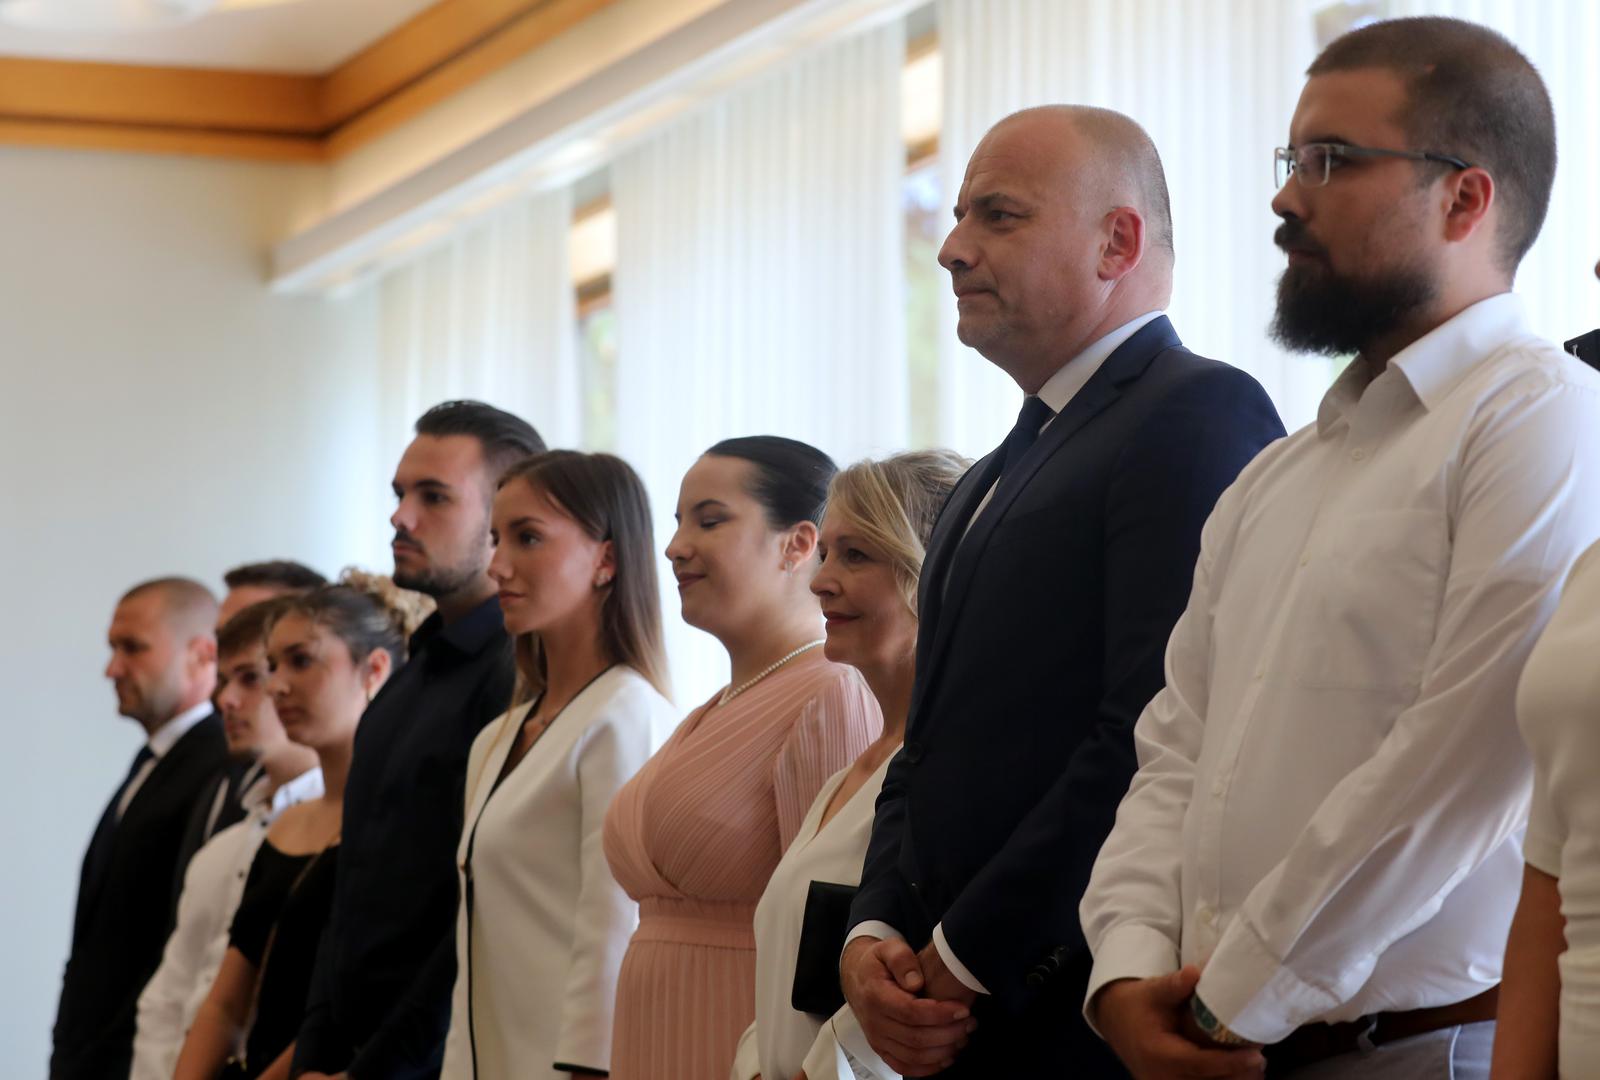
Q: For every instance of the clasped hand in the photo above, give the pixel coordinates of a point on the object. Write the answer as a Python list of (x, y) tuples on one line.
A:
[(1150, 1025), (914, 1012)]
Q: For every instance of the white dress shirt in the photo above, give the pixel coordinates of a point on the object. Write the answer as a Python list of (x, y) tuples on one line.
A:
[(1331, 790), (1056, 392), (783, 1041), (1556, 709), (212, 886), (163, 739)]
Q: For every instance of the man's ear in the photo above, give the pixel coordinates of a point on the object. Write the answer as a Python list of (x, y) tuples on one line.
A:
[(1123, 247), (1469, 195)]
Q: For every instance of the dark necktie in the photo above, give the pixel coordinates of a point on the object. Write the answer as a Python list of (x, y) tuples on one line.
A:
[(1030, 418), (100, 846)]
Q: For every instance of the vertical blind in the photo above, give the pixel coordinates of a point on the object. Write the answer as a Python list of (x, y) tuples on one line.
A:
[(759, 287)]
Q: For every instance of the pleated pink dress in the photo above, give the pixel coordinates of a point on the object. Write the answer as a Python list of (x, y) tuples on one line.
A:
[(695, 835)]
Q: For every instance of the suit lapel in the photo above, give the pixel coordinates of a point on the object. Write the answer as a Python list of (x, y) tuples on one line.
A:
[(1122, 367), (97, 864)]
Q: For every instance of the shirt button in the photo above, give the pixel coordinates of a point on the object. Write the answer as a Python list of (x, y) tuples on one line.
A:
[(1204, 915), (1358, 455), (1262, 674), (1218, 787), (1305, 560)]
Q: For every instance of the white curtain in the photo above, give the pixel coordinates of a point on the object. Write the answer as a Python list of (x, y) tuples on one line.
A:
[(488, 314), (1562, 39), (759, 287)]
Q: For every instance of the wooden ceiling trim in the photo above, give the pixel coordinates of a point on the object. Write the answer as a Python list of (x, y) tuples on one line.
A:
[(434, 55), (412, 50), (54, 90), (542, 22)]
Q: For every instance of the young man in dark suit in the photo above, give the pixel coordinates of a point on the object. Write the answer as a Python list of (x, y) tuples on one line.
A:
[(164, 667), (1052, 581)]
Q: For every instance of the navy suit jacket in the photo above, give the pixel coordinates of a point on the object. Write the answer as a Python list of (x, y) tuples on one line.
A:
[(1042, 637), (124, 911)]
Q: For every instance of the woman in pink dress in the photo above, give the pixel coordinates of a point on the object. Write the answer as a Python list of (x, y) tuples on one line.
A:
[(696, 834)]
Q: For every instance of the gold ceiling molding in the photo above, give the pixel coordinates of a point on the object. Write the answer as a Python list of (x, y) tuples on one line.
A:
[(260, 115)]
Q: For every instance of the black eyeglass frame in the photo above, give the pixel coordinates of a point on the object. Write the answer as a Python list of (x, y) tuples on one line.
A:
[(1286, 159)]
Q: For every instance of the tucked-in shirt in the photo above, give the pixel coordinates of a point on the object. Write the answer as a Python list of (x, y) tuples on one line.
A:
[(381, 1003), (164, 738), (1558, 708), (1328, 810), (212, 887)]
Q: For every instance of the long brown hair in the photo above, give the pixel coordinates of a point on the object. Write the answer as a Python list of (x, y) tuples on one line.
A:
[(607, 499)]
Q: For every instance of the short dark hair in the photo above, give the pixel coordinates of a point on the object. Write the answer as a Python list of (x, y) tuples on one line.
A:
[(248, 627), (1470, 93), (285, 575), (791, 477), (506, 439)]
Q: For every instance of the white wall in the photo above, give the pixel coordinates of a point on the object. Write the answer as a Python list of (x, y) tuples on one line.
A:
[(160, 412)]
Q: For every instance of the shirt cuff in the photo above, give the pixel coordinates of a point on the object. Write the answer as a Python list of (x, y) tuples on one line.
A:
[(1129, 951), (957, 968), (1253, 993)]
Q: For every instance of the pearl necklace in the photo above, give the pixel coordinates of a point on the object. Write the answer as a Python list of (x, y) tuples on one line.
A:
[(729, 695)]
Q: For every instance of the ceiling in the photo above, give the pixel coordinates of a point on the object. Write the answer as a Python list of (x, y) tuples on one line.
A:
[(309, 37)]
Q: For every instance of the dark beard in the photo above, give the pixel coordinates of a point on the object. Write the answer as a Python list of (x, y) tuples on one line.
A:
[(435, 582), (1321, 312)]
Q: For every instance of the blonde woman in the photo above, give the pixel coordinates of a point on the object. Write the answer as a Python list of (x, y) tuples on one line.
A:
[(879, 517)]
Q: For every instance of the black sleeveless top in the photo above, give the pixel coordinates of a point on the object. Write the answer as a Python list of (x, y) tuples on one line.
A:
[(286, 902)]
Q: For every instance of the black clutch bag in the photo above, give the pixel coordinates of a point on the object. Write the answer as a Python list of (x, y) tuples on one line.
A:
[(822, 930)]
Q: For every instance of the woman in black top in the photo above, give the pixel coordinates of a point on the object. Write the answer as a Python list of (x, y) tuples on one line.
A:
[(329, 651)]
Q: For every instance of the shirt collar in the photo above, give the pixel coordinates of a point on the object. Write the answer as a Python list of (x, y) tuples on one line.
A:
[(166, 736), (468, 635), (308, 785), (1434, 363), (1072, 376)]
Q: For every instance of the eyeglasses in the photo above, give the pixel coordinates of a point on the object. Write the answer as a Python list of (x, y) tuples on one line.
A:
[(1313, 163)]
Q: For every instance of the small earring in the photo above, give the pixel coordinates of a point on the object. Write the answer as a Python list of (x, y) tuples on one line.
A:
[(602, 581)]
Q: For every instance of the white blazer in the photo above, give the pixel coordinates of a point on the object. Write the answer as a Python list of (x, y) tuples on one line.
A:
[(782, 1041), (539, 945)]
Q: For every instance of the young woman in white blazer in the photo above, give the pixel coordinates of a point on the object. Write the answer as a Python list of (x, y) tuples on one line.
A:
[(879, 516), (542, 925)]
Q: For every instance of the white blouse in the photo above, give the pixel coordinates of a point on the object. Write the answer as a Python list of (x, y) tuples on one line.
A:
[(1558, 709), (783, 1041), (539, 946)]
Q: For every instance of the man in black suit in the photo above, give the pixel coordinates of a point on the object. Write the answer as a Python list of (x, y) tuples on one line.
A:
[(164, 667), (1052, 581), (222, 802)]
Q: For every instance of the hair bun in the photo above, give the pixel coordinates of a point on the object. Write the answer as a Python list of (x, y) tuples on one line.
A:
[(406, 609)]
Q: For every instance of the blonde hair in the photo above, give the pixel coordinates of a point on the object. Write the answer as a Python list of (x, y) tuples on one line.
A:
[(893, 504)]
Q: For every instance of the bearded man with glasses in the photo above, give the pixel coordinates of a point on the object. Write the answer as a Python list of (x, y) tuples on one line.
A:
[(1328, 811)]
